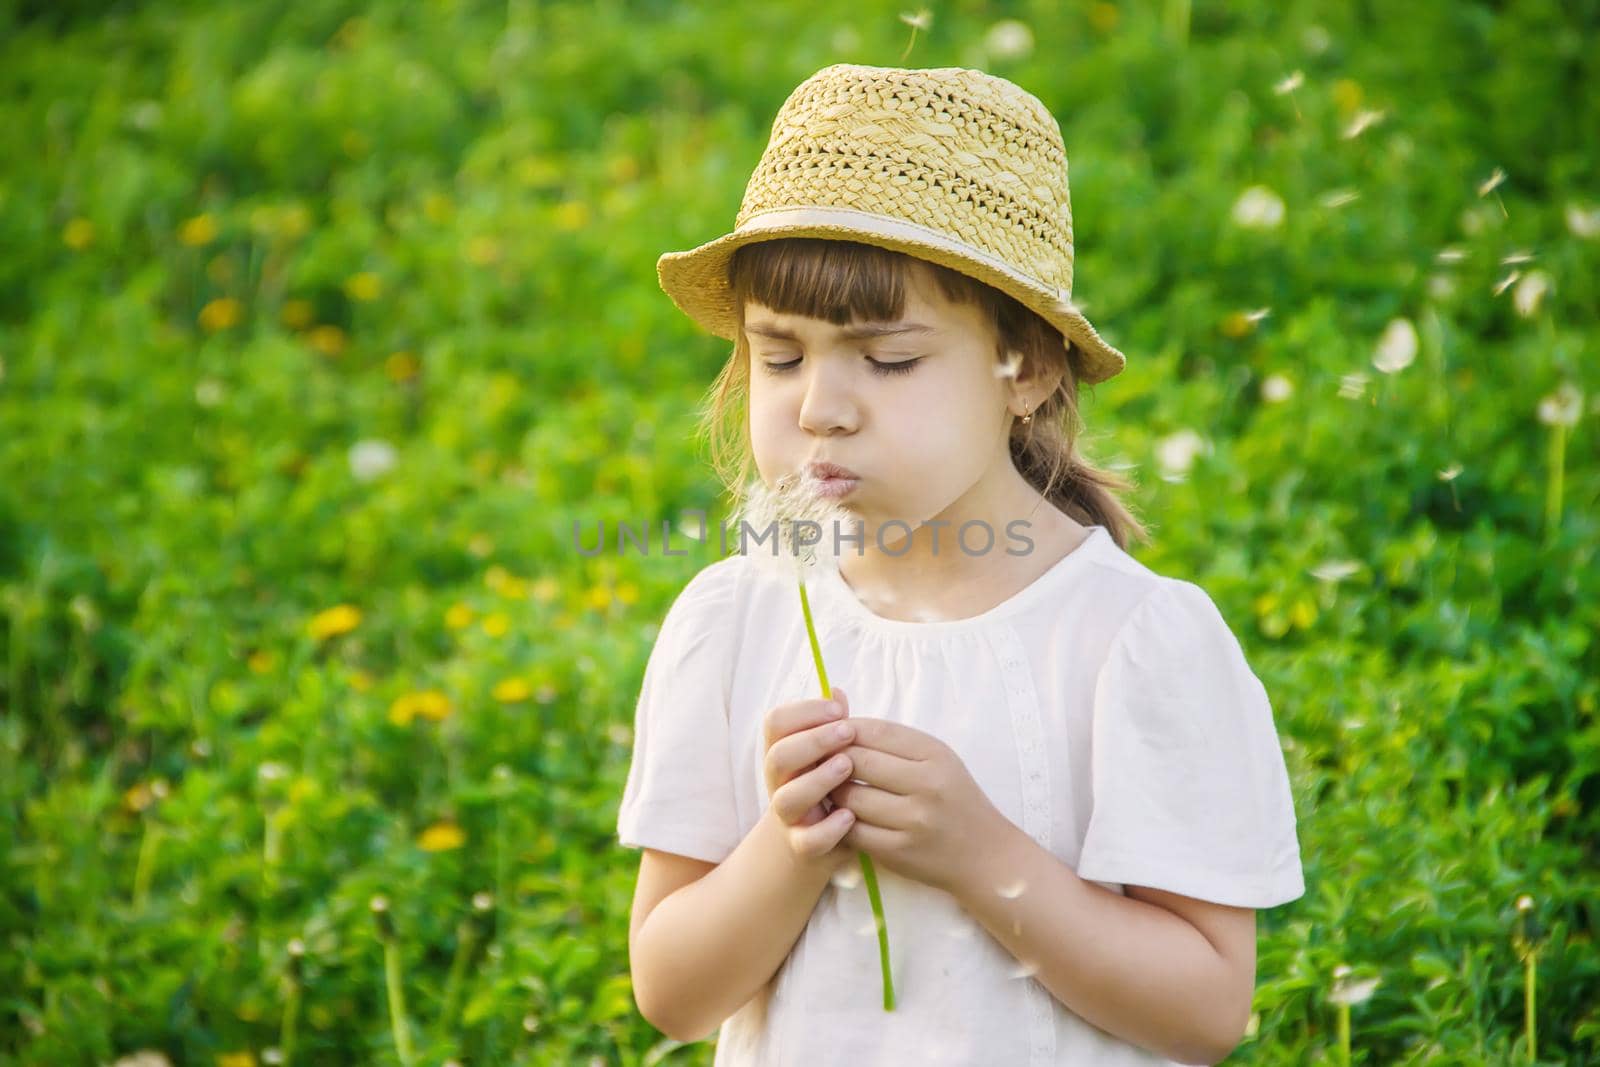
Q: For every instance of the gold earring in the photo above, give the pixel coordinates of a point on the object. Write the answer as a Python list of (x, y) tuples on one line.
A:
[(1026, 419)]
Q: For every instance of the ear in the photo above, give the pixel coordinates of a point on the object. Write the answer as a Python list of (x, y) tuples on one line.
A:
[(1030, 382)]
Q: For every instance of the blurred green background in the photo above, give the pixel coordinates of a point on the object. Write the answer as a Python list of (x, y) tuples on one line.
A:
[(320, 324)]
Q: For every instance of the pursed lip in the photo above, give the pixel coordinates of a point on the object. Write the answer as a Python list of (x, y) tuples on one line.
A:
[(824, 471)]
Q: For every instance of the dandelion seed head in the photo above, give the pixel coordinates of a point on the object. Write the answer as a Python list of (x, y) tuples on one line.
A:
[(1562, 407), (1176, 452), (1276, 388), (1008, 39), (1397, 348), (799, 529), (1530, 292), (1524, 902), (1347, 992), (1258, 208)]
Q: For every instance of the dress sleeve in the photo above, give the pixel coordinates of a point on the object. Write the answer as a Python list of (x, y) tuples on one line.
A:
[(1191, 792), (679, 795)]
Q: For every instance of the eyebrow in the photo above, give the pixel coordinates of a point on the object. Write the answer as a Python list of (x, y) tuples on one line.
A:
[(848, 333)]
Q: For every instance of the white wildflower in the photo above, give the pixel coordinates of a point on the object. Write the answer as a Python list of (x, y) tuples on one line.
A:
[(1276, 388), (1347, 992), (1451, 254), (1335, 570), (208, 392), (1397, 348)]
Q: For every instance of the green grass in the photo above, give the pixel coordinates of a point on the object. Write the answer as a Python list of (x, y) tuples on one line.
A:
[(240, 239)]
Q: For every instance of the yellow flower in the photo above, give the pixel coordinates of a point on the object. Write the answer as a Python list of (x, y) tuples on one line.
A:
[(261, 661), (598, 598), (138, 797), (1303, 613), (513, 588), (628, 593), (437, 207), (198, 231), (297, 314), (364, 286), (459, 616), (336, 620), (441, 837), (221, 314), (512, 690), (1236, 324), (236, 1059), (78, 234), (545, 589), (1103, 17), (360, 681), (402, 366), (429, 703), (329, 340), (497, 624)]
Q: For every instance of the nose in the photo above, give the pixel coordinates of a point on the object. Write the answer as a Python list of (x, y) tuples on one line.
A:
[(828, 405)]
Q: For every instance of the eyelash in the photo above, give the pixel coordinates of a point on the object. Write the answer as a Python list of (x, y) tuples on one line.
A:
[(886, 369)]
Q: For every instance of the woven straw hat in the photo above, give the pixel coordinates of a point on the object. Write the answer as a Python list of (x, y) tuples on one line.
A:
[(950, 165)]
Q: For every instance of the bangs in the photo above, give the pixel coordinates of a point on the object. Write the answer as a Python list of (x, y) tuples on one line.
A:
[(837, 281)]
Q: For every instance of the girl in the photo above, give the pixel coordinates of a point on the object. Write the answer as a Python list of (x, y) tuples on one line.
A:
[(1063, 768)]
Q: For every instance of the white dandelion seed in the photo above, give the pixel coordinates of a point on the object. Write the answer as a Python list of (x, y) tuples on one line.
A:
[(1583, 222), (1451, 254), (922, 20), (1562, 407), (847, 877), (1013, 890), (1519, 256), (1347, 993), (1023, 969), (1505, 283), (1450, 473), (1337, 198), (1353, 386), (1529, 292), (1276, 388), (1335, 570), (1289, 84), (1011, 367), (1441, 286), (1361, 122), (1258, 208), (1492, 182), (1397, 348)]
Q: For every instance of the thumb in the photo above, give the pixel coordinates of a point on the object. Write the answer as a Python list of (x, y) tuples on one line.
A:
[(839, 695)]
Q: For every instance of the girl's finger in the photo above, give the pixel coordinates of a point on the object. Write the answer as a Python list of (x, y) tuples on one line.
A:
[(819, 840)]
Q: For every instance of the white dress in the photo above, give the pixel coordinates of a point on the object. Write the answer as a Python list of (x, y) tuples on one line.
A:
[(1106, 710)]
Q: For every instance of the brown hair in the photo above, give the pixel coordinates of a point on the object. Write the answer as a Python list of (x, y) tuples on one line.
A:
[(846, 281)]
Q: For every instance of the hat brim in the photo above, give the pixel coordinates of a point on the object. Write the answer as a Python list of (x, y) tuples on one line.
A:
[(697, 279)]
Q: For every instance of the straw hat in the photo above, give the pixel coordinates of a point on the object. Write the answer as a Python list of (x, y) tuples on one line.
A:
[(947, 164)]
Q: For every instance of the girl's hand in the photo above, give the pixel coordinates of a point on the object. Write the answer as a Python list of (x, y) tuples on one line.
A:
[(803, 742), (918, 810)]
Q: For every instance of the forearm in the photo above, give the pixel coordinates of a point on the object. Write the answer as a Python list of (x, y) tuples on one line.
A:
[(705, 950), (1132, 969)]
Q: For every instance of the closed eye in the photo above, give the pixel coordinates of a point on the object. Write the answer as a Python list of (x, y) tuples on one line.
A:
[(878, 366)]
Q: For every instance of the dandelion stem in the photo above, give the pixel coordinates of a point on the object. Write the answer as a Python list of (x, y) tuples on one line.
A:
[(1558, 455), (1530, 968), (868, 873), (1344, 1034), (466, 942), (397, 1000), (291, 1019)]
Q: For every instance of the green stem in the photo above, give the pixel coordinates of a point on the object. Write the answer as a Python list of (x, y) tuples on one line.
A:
[(146, 864), (397, 1000), (1344, 1034), (1558, 455), (291, 1020), (1528, 1005), (466, 943), (868, 873)]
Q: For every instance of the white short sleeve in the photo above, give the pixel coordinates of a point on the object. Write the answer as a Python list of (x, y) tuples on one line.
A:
[(679, 795), (1191, 792)]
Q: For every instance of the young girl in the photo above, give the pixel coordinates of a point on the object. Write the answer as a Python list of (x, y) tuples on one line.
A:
[(1065, 772)]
